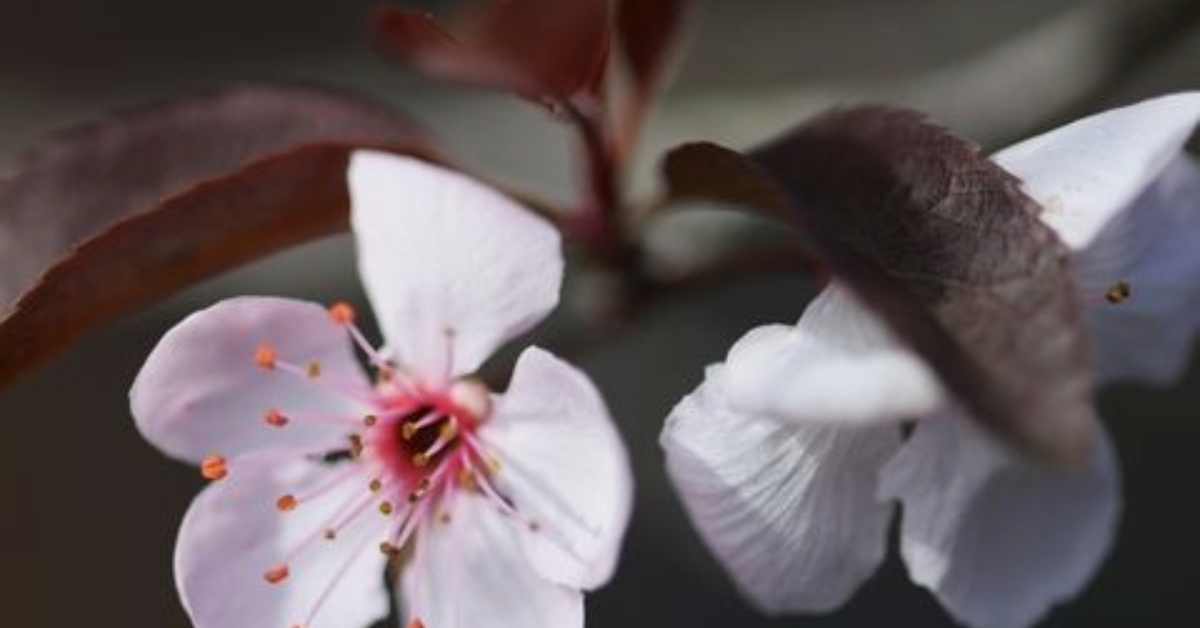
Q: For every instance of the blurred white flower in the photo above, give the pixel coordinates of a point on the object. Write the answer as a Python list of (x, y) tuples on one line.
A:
[(789, 454)]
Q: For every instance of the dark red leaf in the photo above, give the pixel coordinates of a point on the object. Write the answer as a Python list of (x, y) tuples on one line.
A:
[(944, 246), (648, 29), (106, 217), (541, 49)]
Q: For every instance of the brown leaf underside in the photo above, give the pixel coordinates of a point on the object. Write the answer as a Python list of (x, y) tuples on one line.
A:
[(111, 216), (542, 49), (944, 246)]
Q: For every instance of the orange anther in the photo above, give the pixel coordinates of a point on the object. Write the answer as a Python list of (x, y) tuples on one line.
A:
[(213, 468), (342, 313), (275, 418), (264, 356), (287, 503), (276, 574), (313, 369), (415, 623)]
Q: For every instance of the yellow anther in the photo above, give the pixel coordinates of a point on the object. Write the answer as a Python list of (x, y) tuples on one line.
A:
[(313, 369), (466, 478), (375, 485), (449, 430), (420, 459), (386, 508), (1118, 292), (356, 445), (408, 430)]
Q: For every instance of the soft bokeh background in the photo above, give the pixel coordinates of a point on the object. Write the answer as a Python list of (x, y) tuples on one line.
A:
[(88, 511)]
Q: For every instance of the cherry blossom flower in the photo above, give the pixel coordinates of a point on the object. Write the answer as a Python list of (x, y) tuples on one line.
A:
[(497, 509), (789, 454)]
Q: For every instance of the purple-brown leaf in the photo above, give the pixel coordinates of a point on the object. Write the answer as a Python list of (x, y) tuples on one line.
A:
[(106, 217), (541, 49), (648, 29), (943, 245)]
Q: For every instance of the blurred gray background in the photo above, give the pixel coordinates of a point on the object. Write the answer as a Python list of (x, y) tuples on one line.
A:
[(88, 511)]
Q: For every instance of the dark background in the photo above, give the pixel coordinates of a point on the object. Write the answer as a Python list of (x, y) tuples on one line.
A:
[(88, 511)]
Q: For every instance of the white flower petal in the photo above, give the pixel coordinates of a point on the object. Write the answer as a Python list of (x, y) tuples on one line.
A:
[(200, 391), (1148, 336), (790, 510), (563, 465), (997, 539), (838, 365), (447, 260), (233, 533), (1087, 172), (470, 571)]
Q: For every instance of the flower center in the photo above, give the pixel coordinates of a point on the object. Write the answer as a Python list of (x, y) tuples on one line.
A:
[(410, 456)]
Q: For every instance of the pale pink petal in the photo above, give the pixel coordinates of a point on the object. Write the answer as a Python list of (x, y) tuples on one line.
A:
[(234, 533), (454, 268), (1086, 173), (564, 467), (1148, 336), (996, 538), (789, 509), (839, 364), (201, 392), (470, 571)]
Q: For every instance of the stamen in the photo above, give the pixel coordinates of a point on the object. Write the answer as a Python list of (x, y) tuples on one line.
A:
[(214, 468), (446, 436), (334, 581), (410, 429), (275, 418), (370, 420), (342, 313), (264, 356), (422, 489), (389, 550), (375, 485), (356, 445), (1118, 293), (276, 575), (386, 508), (287, 503), (313, 369)]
